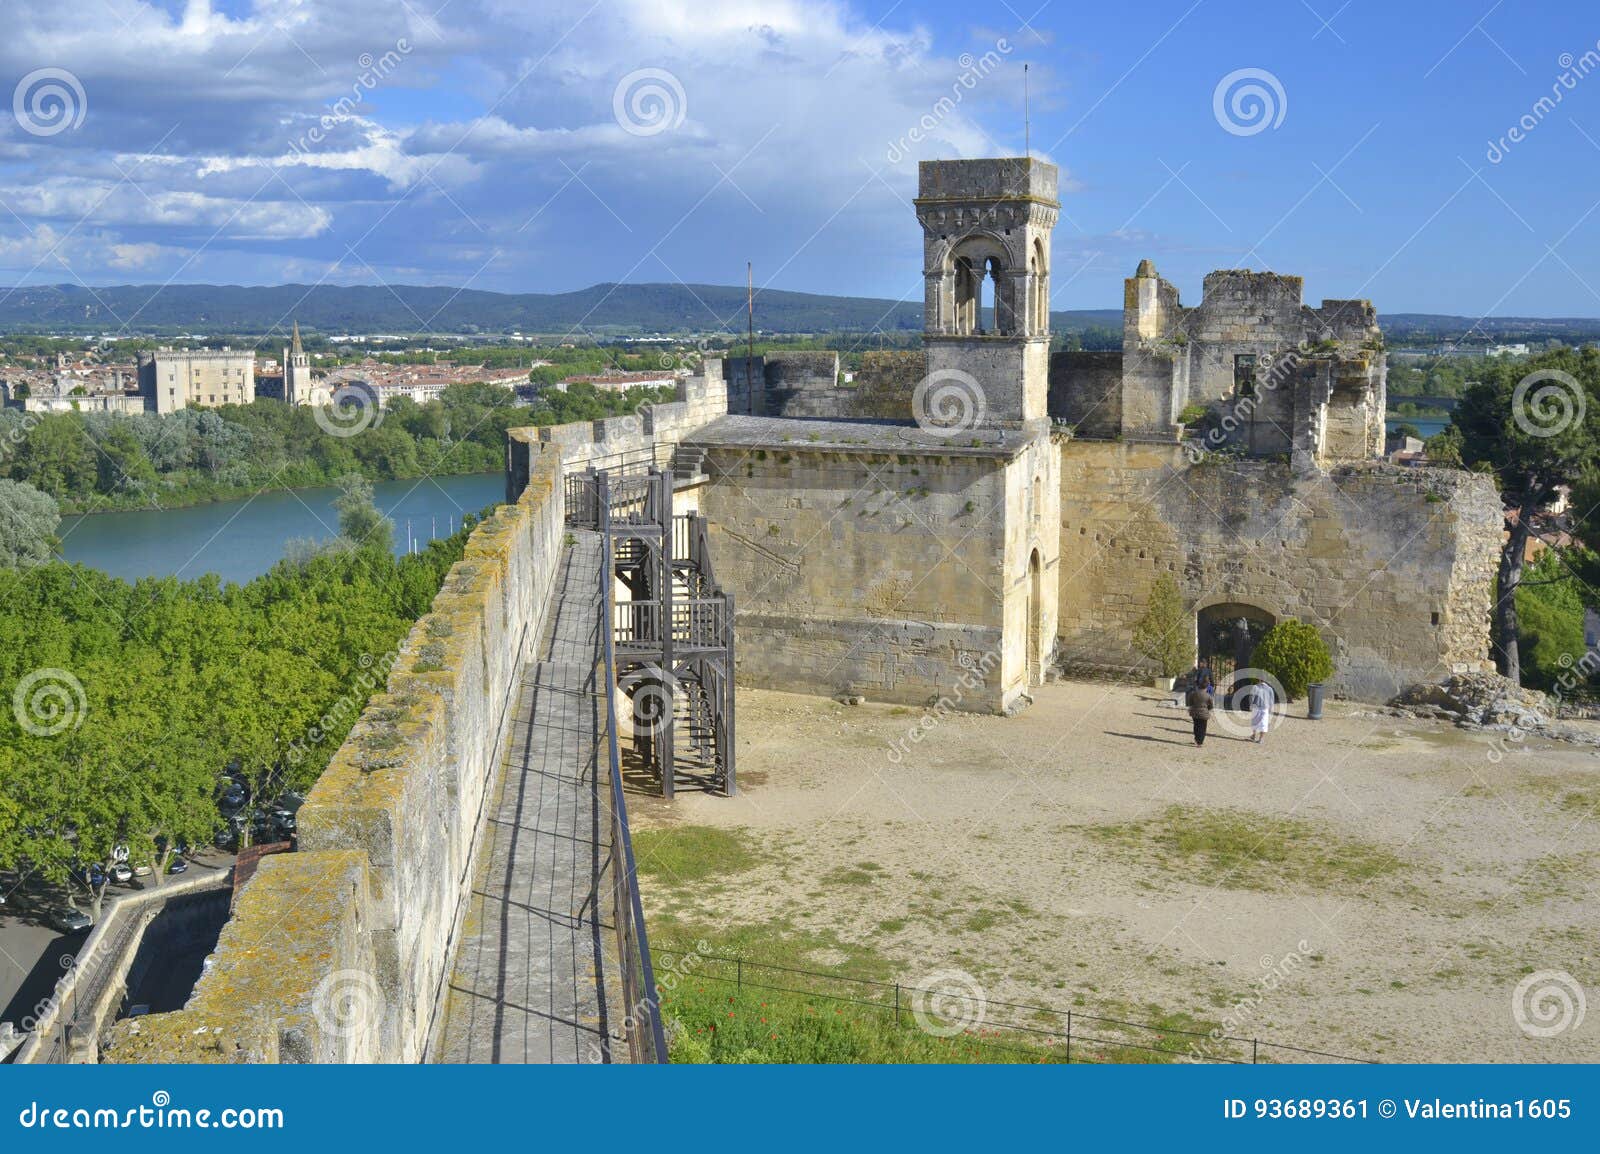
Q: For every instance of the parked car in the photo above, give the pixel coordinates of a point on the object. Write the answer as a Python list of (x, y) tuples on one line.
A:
[(177, 865), (122, 873), (232, 800), (92, 875), (69, 921), (141, 870)]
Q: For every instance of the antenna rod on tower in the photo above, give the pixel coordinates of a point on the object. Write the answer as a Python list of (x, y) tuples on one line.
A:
[(750, 336), (1027, 127)]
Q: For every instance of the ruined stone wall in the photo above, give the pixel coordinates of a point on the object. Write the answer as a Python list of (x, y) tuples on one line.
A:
[(863, 573), (803, 384), (1086, 392), (1395, 566), (887, 381), (1240, 313), (651, 431), (339, 952)]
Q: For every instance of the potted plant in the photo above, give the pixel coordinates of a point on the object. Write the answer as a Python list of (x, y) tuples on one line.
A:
[(1162, 634)]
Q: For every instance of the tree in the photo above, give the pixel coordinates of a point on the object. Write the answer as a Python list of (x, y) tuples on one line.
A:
[(1444, 448), (360, 520), (1406, 429), (28, 520), (1536, 424), (56, 457), (1162, 634), (1294, 653)]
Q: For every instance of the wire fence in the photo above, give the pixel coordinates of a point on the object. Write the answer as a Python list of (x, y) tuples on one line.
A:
[(1030, 1033)]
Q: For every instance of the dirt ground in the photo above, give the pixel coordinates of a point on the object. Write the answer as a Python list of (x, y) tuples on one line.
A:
[(1362, 884)]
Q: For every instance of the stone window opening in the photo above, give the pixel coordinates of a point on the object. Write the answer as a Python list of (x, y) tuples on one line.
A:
[(1244, 376)]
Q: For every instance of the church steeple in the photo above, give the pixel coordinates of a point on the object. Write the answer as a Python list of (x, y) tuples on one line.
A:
[(296, 372)]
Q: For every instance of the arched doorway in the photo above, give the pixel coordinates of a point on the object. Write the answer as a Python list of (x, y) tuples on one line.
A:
[(1227, 634), (1035, 621)]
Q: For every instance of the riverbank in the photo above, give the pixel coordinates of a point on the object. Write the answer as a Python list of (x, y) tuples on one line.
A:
[(244, 537), (180, 497)]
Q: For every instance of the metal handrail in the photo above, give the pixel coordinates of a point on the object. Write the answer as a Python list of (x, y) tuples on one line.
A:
[(648, 1045)]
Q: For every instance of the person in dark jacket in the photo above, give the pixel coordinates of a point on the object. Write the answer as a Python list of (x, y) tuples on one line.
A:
[(1200, 705)]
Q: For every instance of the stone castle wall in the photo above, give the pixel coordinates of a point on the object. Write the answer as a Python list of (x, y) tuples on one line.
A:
[(339, 952), (861, 572), (1395, 566), (887, 381), (653, 431), (1086, 391)]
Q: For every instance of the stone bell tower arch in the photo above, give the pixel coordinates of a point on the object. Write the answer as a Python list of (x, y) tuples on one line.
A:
[(986, 228)]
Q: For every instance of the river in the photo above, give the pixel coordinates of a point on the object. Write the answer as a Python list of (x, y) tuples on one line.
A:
[(242, 539)]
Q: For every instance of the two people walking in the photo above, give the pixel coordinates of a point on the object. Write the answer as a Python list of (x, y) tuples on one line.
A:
[(1201, 703)]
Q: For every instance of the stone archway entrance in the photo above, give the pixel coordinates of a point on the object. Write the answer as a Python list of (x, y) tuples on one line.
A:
[(1229, 633), (1035, 620)]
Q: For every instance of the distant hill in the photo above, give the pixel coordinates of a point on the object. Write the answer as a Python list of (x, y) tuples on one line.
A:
[(407, 309), (610, 309)]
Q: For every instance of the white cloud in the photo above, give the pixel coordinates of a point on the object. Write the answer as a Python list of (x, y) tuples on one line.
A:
[(492, 135)]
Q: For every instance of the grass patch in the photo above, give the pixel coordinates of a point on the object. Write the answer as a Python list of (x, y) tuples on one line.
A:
[(690, 853), (1249, 851), (722, 1004)]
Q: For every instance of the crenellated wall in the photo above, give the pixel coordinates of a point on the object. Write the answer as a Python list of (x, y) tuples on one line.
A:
[(339, 952)]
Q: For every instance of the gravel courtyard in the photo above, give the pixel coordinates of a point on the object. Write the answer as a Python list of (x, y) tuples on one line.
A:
[(1364, 884)]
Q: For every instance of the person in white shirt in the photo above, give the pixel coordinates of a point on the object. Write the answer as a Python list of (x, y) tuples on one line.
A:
[(1262, 698)]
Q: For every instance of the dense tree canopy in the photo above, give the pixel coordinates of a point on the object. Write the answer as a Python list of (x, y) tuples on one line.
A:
[(125, 703), (127, 460)]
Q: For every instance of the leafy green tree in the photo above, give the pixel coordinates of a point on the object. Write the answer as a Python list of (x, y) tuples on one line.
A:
[(28, 522), (1536, 425), (1405, 429), (56, 457), (1444, 448), (121, 463), (1550, 605), (1294, 653), (1163, 634), (361, 523)]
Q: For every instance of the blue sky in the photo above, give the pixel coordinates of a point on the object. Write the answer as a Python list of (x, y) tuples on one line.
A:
[(494, 145)]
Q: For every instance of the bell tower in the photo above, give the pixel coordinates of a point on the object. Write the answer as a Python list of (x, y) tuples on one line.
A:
[(296, 372), (986, 228)]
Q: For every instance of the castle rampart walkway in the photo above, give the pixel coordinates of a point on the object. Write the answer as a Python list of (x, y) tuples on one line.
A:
[(535, 964)]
